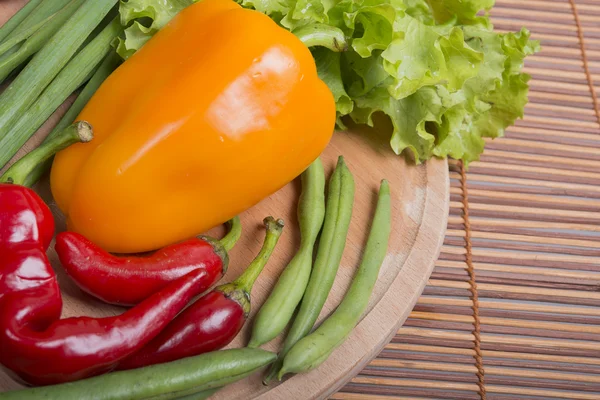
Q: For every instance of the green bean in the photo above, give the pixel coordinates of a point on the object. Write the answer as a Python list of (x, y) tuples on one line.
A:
[(107, 67), (49, 61), (13, 58), (205, 394), (169, 380), (331, 246), (279, 307), (17, 19), (69, 79), (315, 348)]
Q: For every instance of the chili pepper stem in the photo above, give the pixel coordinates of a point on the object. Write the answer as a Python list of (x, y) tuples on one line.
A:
[(322, 35), (247, 279), (234, 234), (78, 132)]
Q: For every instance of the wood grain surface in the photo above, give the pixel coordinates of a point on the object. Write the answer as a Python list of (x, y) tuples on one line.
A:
[(420, 209)]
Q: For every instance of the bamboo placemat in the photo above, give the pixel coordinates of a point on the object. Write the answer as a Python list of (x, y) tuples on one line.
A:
[(512, 308)]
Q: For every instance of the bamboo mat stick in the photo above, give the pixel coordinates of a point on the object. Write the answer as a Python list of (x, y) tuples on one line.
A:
[(491, 223), (590, 276), (520, 144), (566, 188), (502, 305), (489, 338), (508, 322), (471, 387), (532, 199), (547, 213), (523, 238), (515, 289), (455, 367), (493, 354)]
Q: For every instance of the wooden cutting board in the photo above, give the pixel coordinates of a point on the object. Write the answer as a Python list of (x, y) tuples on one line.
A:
[(420, 209)]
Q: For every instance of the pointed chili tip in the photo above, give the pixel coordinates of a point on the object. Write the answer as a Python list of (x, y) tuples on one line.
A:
[(85, 131), (281, 373)]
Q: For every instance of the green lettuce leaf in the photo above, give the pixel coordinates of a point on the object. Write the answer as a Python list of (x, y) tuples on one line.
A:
[(436, 68), (142, 19)]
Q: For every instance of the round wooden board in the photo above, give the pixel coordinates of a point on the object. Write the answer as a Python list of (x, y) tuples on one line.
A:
[(420, 210)]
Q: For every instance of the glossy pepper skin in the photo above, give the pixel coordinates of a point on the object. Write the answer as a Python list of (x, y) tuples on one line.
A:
[(211, 322), (189, 128), (129, 280), (35, 344)]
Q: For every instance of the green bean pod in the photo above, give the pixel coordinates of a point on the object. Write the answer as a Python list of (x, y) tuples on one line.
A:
[(315, 348), (162, 381), (203, 395), (338, 214), (277, 311)]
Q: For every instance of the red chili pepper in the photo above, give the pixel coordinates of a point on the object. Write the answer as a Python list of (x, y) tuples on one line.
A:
[(129, 280), (35, 343), (214, 320)]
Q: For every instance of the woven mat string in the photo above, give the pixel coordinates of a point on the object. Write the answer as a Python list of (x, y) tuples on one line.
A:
[(472, 285), (586, 65)]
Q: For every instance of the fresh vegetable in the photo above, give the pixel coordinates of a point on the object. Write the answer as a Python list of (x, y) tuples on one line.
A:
[(48, 62), (340, 200), (200, 395), (110, 63), (159, 172), (20, 171), (31, 18), (166, 381), (35, 344), (19, 54), (68, 79), (214, 320), (436, 68), (279, 307), (129, 280), (37, 12), (315, 348), (17, 19)]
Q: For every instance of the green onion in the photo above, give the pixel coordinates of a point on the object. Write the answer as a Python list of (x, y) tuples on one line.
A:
[(17, 38), (48, 62), (75, 73), (18, 173), (45, 9), (17, 19), (46, 19), (110, 63)]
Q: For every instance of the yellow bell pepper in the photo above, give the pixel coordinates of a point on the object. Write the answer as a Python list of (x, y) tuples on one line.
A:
[(220, 109)]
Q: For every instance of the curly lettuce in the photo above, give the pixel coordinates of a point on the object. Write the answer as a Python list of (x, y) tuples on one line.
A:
[(436, 68)]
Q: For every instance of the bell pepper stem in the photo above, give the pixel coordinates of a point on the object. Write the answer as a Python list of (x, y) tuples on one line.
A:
[(247, 279), (235, 232), (322, 35), (79, 132)]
